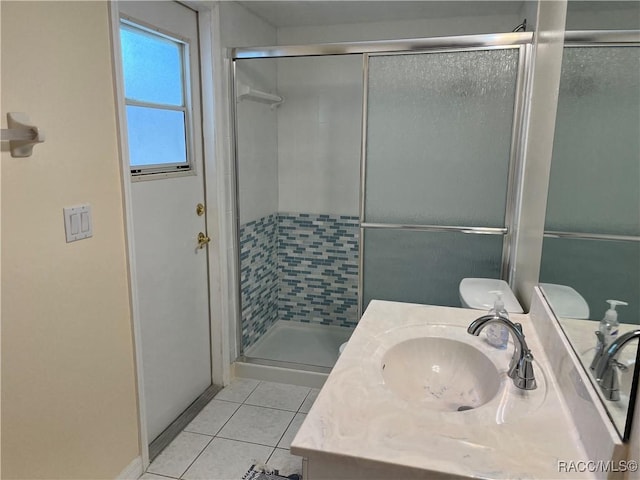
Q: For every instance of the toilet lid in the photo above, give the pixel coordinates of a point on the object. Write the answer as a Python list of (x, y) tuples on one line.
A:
[(565, 301), (474, 292)]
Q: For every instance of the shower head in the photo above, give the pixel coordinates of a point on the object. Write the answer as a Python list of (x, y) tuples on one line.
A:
[(522, 27)]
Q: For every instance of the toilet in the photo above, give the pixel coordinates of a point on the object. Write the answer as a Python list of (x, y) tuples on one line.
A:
[(565, 301), (475, 293)]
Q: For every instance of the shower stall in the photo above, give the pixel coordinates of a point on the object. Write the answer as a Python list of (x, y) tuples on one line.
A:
[(370, 170)]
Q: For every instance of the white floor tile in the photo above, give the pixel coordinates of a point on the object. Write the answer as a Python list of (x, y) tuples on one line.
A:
[(226, 460), (285, 463), (212, 417), (257, 424), (292, 430), (152, 476), (278, 395), (238, 390), (177, 457), (308, 402)]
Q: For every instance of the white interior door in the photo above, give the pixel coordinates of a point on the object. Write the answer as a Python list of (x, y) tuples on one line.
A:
[(171, 270)]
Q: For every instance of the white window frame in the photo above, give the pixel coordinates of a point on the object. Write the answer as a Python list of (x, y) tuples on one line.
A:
[(164, 170)]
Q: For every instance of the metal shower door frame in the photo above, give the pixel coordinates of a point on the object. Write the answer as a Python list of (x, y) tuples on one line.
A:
[(515, 167), (521, 40)]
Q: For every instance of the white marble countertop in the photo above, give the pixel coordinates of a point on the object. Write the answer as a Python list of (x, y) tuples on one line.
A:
[(517, 434)]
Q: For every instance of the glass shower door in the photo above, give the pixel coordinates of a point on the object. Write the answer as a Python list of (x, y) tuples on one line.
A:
[(437, 165)]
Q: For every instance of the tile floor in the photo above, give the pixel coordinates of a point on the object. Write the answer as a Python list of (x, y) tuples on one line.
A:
[(247, 422)]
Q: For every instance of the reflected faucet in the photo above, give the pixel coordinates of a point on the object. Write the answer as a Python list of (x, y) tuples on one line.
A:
[(605, 370), (600, 347), (521, 365)]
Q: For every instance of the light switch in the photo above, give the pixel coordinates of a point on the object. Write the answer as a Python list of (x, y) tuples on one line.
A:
[(84, 222), (77, 222)]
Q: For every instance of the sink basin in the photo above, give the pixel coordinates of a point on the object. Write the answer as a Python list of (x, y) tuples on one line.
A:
[(440, 374)]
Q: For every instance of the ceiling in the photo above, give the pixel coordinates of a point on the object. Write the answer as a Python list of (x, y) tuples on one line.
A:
[(295, 13)]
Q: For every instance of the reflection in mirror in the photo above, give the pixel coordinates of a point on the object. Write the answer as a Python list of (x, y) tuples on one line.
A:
[(591, 249)]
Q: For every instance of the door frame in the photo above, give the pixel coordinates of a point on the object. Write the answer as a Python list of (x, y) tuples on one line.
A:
[(216, 145)]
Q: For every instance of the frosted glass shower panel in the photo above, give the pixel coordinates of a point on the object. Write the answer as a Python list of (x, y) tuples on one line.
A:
[(425, 267), (595, 172), (598, 270), (439, 137)]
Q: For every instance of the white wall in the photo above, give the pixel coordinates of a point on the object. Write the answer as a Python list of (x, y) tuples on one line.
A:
[(319, 124), (603, 15), (257, 123), (435, 27), (319, 129)]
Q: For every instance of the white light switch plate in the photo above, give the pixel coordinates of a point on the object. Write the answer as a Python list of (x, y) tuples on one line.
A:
[(78, 223)]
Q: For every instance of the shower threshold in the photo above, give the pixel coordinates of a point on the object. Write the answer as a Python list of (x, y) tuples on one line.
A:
[(305, 346)]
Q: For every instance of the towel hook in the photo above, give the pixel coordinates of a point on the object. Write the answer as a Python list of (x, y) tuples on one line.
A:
[(21, 134)]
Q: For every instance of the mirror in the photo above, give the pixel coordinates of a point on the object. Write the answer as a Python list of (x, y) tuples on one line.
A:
[(591, 249)]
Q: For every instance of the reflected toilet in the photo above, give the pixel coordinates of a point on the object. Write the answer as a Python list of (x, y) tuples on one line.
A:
[(477, 293), (566, 302)]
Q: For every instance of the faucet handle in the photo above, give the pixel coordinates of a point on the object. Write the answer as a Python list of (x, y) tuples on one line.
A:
[(525, 378), (609, 382), (600, 346), (621, 366)]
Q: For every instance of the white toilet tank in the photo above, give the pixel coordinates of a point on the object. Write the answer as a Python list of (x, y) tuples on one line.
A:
[(474, 293)]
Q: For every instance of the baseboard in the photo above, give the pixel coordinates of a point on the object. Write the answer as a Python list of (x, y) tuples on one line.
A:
[(133, 471), (269, 373), (174, 429)]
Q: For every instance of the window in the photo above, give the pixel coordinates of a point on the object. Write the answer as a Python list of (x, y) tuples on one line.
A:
[(157, 100)]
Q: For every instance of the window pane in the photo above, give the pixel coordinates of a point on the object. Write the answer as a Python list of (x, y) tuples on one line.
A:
[(155, 136), (152, 67)]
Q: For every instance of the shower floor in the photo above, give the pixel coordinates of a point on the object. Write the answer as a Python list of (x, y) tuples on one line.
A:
[(301, 343)]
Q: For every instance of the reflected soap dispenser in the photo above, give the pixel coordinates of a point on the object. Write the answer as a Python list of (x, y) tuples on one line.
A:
[(609, 324), (498, 335)]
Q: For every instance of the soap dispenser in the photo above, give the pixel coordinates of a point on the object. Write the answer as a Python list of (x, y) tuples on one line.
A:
[(609, 324), (498, 335)]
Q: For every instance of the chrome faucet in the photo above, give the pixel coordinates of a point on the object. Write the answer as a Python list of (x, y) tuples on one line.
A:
[(605, 369), (521, 365)]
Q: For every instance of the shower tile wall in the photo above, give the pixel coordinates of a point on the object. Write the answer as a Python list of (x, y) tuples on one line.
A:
[(299, 267), (258, 277), (318, 268)]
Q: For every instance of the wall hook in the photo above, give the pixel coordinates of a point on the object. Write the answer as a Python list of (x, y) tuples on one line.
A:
[(21, 134)]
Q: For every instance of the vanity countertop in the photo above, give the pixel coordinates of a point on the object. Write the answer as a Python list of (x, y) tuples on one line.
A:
[(357, 418)]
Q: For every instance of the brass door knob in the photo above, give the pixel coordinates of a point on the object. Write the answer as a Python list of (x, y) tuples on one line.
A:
[(202, 240)]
